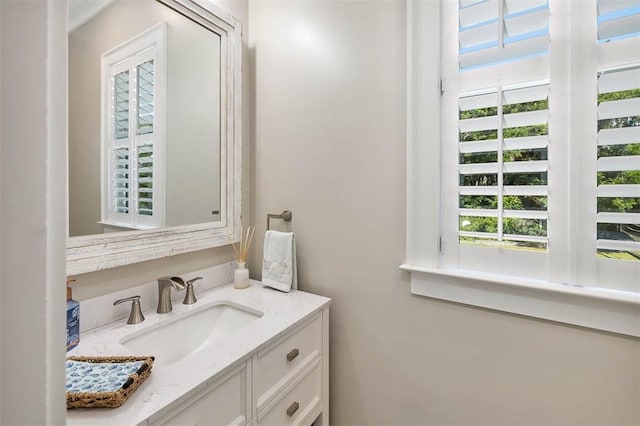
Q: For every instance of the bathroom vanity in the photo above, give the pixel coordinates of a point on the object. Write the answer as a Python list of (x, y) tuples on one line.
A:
[(236, 357)]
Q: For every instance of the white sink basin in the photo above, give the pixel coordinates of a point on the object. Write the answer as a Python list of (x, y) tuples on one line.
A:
[(173, 340)]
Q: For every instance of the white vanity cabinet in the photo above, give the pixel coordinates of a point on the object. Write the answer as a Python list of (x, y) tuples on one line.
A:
[(284, 383), (272, 370)]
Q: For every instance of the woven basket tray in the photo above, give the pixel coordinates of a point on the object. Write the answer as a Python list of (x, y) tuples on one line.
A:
[(110, 399)]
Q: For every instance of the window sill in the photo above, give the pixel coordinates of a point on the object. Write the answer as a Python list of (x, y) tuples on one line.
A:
[(601, 309)]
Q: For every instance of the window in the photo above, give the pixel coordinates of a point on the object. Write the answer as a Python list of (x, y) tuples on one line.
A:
[(496, 134), (538, 194), (133, 76)]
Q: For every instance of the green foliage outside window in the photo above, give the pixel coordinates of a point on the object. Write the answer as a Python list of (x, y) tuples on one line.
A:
[(617, 231), (514, 226), (536, 227)]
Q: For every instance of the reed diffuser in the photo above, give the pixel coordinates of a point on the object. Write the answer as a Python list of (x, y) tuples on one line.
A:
[(241, 274)]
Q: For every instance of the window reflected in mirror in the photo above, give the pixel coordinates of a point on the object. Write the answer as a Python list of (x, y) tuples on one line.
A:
[(144, 120)]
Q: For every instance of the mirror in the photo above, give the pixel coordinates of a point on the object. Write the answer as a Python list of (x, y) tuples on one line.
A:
[(177, 119), (154, 130)]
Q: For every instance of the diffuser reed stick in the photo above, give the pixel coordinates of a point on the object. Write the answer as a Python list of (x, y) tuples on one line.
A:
[(246, 239)]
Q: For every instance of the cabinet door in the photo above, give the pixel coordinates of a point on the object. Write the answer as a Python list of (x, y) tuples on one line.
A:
[(223, 403)]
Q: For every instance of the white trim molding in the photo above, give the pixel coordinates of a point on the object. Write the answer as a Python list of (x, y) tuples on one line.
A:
[(33, 159), (603, 309)]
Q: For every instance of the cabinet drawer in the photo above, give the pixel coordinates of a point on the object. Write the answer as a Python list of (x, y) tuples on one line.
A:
[(277, 365), (223, 403), (301, 403)]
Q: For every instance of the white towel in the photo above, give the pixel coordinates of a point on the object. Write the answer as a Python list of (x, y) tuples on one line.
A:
[(279, 269)]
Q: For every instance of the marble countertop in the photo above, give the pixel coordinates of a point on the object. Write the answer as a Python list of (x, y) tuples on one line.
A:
[(170, 385)]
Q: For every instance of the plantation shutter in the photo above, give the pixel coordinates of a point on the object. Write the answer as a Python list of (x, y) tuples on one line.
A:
[(145, 180), (145, 139), (133, 94), (503, 140), (133, 146), (618, 19), (121, 105), (120, 183), (496, 31), (120, 194), (617, 70), (145, 98), (502, 119), (618, 218), (135, 75)]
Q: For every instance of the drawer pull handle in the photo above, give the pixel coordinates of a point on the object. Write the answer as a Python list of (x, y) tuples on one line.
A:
[(293, 354), (292, 409)]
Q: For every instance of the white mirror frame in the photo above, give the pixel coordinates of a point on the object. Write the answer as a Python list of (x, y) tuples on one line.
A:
[(97, 252)]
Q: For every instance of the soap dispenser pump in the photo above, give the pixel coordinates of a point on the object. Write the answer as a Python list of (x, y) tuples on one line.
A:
[(73, 319)]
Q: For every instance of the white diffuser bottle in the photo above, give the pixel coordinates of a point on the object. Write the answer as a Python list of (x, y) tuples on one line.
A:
[(241, 276), (241, 250)]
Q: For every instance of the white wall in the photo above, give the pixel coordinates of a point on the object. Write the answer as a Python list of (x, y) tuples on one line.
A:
[(329, 144), (33, 206)]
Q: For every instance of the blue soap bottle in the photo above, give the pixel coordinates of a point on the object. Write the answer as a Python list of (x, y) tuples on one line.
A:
[(73, 319)]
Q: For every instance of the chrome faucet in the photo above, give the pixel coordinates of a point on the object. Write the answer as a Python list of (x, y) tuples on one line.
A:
[(164, 292)]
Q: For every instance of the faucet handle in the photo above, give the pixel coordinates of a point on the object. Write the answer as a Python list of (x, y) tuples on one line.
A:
[(135, 316), (190, 297), (176, 282)]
